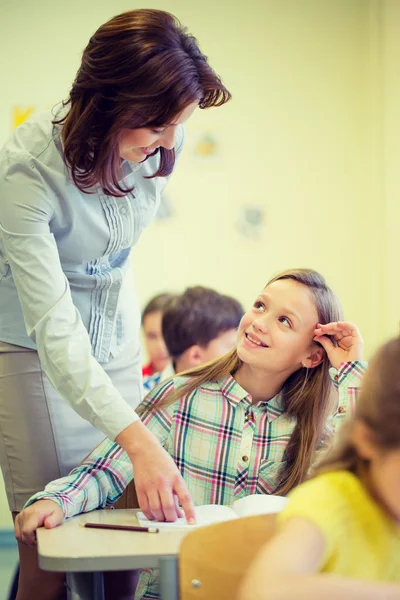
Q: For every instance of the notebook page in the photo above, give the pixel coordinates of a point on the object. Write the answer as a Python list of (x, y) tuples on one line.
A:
[(205, 515), (258, 504)]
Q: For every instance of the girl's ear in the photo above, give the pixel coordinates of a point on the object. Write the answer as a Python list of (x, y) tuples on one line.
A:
[(362, 439), (315, 358)]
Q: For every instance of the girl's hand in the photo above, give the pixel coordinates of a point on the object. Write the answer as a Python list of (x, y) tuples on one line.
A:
[(349, 342), (43, 512)]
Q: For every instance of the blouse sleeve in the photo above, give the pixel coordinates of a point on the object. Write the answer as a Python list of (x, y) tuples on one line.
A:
[(51, 318)]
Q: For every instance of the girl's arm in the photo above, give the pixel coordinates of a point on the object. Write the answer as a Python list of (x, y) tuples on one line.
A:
[(349, 376), (344, 346), (287, 567), (347, 381), (98, 482)]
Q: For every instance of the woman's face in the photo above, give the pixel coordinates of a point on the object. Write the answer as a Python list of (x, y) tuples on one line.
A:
[(385, 470), (136, 144)]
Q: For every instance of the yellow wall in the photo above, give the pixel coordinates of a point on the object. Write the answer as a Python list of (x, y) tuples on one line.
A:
[(391, 164), (305, 136)]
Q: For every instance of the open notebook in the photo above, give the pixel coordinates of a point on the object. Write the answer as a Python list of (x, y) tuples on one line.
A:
[(207, 514)]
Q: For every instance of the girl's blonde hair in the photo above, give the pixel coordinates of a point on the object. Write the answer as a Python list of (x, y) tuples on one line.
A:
[(378, 407), (305, 393)]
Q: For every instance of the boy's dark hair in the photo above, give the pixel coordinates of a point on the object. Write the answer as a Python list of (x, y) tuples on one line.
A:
[(198, 316), (157, 303)]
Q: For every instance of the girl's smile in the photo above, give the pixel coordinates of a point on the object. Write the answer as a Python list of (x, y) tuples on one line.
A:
[(252, 341)]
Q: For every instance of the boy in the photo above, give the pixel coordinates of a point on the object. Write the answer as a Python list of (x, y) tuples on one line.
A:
[(197, 326)]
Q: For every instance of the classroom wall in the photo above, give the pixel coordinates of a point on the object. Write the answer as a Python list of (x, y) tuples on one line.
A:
[(311, 137), (391, 162)]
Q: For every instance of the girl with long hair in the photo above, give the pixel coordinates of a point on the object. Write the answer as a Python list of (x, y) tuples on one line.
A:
[(250, 422)]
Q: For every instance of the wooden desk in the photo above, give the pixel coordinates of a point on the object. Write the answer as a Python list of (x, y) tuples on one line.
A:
[(85, 553)]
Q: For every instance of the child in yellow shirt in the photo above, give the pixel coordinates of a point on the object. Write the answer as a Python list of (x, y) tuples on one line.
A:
[(339, 536)]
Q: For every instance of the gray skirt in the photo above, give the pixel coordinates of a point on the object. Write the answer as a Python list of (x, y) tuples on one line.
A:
[(41, 436)]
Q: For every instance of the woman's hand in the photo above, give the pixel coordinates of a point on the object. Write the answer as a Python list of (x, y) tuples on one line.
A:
[(159, 484), (349, 343), (43, 512)]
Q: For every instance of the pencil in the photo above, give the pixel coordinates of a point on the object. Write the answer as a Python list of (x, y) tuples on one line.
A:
[(122, 527)]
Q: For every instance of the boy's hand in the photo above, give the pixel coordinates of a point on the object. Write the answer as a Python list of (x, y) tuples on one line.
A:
[(349, 342), (42, 512)]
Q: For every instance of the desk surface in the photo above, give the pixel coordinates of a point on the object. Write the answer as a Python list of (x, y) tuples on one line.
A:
[(73, 548)]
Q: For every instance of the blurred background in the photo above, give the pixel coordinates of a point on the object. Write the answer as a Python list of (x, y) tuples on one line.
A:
[(301, 168)]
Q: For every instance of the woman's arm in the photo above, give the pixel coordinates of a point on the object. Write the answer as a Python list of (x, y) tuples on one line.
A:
[(287, 567), (51, 318), (54, 324), (148, 474)]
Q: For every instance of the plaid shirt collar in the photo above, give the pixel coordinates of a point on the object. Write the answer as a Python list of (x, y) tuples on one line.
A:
[(235, 394)]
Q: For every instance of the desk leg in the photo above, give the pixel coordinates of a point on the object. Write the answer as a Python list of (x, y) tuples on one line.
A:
[(169, 581), (85, 586)]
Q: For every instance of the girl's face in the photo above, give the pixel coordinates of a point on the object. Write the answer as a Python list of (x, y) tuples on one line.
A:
[(155, 345), (136, 144), (383, 472), (276, 334), (385, 477)]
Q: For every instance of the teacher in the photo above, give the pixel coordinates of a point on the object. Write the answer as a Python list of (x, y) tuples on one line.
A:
[(78, 184)]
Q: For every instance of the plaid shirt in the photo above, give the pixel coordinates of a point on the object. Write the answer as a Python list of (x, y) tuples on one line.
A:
[(224, 446), (151, 381)]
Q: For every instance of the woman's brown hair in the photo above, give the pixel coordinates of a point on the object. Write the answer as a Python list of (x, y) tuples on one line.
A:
[(140, 69), (305, 394), (378, 407)]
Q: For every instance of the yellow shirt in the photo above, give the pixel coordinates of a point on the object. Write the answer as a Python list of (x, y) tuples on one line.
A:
[(362, 541)]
